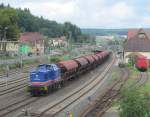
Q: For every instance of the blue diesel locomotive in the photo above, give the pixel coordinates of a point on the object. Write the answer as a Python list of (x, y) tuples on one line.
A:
[(47, 77), (44, 79)]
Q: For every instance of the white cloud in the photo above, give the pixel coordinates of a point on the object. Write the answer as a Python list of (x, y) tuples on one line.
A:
[(86, 13), (102, 16), (145, 21), (50, 9), (116, 15), (121, 10)]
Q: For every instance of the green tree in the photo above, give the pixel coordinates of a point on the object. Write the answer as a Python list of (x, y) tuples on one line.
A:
[(9, 30), (72, 30), (23, 20), (8, 24), (134, 104), (26, 21)]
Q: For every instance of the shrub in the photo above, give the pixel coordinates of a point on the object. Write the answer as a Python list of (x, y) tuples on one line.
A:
[(55, 59), (134, 104)]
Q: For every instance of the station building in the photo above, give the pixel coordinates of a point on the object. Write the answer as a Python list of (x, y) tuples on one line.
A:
[(137, 43), (32, 41)]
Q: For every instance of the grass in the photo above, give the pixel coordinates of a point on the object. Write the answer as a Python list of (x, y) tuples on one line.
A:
[(115, 74), (7, 57), (26, 62), (145, 88), (132, 76)]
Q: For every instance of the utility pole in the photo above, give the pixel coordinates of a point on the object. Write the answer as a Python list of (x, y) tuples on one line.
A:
[(5, 43), (5, 38), (0, 38), (70, 41), (20, 54)]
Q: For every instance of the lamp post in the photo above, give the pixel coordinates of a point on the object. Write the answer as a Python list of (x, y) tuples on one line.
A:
[(20, 54), (5, 39), (0, 38), (0, 33), (7, 66), (70, 42)]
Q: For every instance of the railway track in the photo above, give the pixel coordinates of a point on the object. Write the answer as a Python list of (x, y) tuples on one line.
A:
[(12, 89), (17, 105), (11, 72), (19, 70), (14, 81), (62, 104), (104, 102), (14, 85), (143, 79), (7, 110), (9, 86), (10, 82)]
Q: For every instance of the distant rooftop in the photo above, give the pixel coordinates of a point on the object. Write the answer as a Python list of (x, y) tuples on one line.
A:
[(35, 37)]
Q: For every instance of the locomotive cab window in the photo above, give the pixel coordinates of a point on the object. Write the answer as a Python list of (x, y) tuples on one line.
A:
[(41, 67), (49, 67)]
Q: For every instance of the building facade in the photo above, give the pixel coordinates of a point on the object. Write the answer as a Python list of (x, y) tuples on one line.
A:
[(137, 43), (34, 41)]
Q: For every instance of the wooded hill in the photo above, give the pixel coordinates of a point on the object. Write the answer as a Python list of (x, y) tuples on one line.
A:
[(102, 32), (14, 21)]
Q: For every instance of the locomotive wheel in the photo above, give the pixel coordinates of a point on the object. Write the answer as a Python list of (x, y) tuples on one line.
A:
[(50, 89), (62, 83), (59, 85)]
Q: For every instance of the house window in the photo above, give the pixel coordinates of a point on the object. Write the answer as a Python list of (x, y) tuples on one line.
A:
[(142, 35)]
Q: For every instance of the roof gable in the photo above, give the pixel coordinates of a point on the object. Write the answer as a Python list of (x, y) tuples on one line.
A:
[(31, 37), (134, 32), (139, 41)]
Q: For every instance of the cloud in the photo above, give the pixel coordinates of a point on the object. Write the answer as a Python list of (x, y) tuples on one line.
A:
[(102, 15), (90, 13), (50, 8), (121, 10)]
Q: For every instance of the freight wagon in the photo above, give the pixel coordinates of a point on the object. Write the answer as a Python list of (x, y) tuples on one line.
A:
[(48, 77)]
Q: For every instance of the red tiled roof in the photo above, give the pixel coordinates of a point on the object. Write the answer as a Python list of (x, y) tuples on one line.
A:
[(132, 33), (31, 37), (137, 44)]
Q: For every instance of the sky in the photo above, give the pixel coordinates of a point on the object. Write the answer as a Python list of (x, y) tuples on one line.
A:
[(90, 13)]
